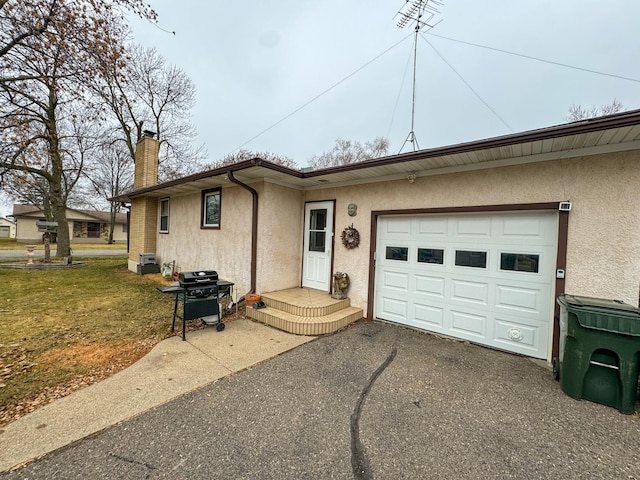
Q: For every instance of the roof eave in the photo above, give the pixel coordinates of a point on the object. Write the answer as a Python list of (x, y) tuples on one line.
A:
[(620, 120)]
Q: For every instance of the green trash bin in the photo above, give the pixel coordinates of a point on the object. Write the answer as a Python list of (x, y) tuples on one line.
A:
[(600, 350)]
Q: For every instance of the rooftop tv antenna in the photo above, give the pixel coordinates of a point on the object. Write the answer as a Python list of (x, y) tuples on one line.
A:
[(420, 14)]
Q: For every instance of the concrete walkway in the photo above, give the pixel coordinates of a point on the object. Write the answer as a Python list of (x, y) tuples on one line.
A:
[(170, 370)]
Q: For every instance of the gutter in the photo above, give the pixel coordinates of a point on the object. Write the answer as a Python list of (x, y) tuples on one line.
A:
[(254, 231)]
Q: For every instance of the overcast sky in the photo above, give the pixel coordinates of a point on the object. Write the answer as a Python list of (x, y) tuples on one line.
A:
[(254, 63)]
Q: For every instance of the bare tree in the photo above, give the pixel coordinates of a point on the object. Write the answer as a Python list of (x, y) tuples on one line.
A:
[(242, 155), (28, 189), (23, 22), (111, 175), (578, 112), (345, 152), (47, 49), (141, 91)]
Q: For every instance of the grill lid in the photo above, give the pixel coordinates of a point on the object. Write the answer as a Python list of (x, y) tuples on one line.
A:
[(200, 278)]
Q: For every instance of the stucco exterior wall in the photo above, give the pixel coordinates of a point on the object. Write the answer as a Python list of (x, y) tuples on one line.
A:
[(226, 250), (280, 230), (604, 228)]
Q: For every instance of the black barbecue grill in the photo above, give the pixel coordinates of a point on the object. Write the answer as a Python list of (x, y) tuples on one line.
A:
[(199, 297)]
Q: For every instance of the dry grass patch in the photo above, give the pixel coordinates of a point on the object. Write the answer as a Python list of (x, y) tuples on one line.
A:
[(66, 328)]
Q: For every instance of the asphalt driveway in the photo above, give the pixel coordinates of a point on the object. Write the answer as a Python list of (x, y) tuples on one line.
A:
[(374, 401)]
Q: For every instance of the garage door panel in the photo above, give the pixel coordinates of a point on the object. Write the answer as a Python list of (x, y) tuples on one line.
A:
[(432, 286), (398, 281), (394, 309), (524, 300), (470, 292), (468, 324), (520, 227), (397, 227), (525, 230), (429, 316), (498, 292), (519, 336), (432, 228), (476, 228)]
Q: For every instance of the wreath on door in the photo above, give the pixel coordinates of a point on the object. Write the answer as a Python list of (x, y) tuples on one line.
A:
[(350, 237)]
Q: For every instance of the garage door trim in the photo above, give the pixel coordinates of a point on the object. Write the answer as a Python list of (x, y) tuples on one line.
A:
[(563, 223)]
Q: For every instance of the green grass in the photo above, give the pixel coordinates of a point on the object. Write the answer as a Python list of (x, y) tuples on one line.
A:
[(59, 324)]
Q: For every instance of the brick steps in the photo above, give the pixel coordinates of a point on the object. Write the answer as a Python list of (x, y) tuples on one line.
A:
[(305, 312)]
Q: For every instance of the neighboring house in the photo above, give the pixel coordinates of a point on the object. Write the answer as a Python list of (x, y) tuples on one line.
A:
[(474, 240), (7, 228), (85, 226)]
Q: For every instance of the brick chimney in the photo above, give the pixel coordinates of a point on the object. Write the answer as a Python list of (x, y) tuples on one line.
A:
[(143, 225), (146, 173)]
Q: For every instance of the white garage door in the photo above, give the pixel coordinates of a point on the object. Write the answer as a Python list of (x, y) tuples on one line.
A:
[(486, 278), (4, 232)]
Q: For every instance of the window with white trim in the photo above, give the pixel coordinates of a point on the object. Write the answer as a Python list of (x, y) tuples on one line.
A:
[(164, 215)]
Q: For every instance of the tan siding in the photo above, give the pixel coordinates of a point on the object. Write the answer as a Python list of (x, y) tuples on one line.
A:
[(604, 227), (226, 250), (280, 230)]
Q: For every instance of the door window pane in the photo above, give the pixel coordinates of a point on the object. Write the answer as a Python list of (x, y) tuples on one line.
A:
[(318, 219), (397, 253), (431, 255), (519, 262), (317, 241), (467, 258)]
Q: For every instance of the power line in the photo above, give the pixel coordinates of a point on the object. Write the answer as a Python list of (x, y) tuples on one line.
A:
[(322, 93), (538, 59), (395, 107), (467, 83)]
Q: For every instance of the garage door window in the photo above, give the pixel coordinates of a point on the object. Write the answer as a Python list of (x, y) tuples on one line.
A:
[(431, 255), (519, 262), (397, 253), (467, 258)]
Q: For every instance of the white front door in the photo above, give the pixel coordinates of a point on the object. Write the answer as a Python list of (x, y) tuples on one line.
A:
[(318, 244)]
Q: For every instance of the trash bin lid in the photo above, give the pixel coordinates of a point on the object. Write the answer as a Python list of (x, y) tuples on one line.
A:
[(603, 314)]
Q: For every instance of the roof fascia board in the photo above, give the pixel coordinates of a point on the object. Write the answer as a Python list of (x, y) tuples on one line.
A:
[(236, 167), (508, 162), (566, 130), (599, 124)]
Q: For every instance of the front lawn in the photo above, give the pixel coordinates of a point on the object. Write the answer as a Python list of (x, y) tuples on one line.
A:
[(62, 329)]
